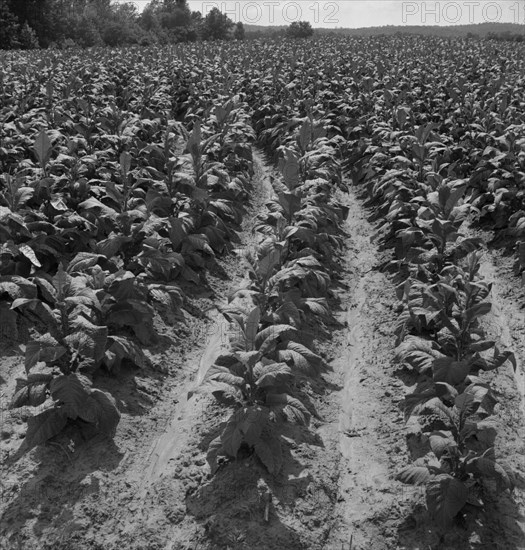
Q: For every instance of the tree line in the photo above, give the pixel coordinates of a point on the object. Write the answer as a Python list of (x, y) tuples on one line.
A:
[(27, 24)]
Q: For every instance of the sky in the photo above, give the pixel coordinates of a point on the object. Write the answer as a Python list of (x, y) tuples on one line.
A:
[(364, 13)]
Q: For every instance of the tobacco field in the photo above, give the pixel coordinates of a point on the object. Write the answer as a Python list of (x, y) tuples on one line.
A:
[(263, 295)]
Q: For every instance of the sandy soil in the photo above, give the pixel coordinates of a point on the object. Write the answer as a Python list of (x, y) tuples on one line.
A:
[(150, 488)]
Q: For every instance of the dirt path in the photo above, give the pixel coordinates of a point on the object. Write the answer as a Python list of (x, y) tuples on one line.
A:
[(370, 427), (508, 313), (506, 324)]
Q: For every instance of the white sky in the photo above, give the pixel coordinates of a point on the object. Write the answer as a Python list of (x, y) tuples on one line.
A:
[(364, 13)]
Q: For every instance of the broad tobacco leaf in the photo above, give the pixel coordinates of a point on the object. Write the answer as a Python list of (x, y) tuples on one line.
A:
[(42, 427), (107, 415), (269, 450), (45, 348), (72, 391), (446, 369), (414, 475), (446, 496)]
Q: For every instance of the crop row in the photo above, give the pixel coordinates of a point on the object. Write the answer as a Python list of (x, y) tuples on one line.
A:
[(440, 337), (281, 306)]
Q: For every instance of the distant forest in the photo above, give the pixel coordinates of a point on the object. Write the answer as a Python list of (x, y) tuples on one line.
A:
[(491, 31), (28, 24)]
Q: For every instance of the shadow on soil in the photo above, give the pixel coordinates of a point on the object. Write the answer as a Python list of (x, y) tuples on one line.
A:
[(479, 530), (496, 527), (236, 510), (235, 507), (61, 479)]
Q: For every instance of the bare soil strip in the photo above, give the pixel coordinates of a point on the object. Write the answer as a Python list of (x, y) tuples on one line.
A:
[(370, 426), (506, 324)]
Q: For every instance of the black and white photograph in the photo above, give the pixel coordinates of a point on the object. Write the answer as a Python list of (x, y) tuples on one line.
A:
[(262, 275)]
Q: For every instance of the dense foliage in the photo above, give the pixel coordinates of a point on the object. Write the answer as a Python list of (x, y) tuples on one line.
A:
[(300, 29), (28, 24), (124, 175)]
